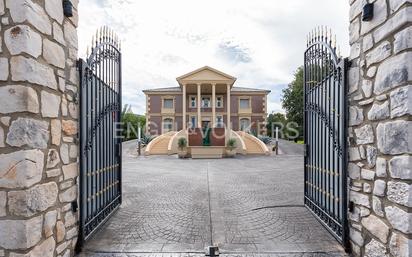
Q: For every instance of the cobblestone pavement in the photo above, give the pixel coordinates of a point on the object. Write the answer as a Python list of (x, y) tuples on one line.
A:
[(249, 206)]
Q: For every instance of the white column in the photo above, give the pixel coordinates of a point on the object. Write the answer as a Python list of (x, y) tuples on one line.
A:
[(199, 102), (213, 105), (228, 106), (184, 107)]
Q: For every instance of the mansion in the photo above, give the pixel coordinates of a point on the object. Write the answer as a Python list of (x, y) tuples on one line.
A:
[(205, 97)]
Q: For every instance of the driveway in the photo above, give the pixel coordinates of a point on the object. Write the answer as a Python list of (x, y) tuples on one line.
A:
[(177, 207)]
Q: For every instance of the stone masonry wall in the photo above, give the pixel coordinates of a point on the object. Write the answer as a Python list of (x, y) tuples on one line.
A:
[(38, 128), (380, 111)]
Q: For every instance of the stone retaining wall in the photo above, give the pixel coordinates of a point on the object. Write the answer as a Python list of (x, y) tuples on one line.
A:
[(38, 128), (380, 109)]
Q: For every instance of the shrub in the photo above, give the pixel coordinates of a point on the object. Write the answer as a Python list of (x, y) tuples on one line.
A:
[(181, 143), (231, 144), (146, 138), (265, 139)]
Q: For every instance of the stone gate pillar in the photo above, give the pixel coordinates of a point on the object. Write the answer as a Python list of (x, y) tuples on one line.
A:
[(380, 133), (38, 128)]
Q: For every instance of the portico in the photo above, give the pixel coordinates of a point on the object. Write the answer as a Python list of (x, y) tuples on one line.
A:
[(205, 89)]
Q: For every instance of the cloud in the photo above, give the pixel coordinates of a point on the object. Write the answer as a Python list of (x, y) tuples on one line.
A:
[(260, 42)]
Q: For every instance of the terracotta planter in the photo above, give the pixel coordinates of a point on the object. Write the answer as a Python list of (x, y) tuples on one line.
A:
[(230, 153), (182, 153)]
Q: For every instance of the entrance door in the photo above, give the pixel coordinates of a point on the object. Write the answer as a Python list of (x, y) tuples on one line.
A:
[(325, 136), (100, 141)]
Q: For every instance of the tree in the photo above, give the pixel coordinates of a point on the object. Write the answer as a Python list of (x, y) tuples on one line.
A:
[(131, 123), (292, 100), (276, 120)]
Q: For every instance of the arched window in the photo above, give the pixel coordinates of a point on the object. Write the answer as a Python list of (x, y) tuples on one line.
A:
[(167, 125), (244, 124)]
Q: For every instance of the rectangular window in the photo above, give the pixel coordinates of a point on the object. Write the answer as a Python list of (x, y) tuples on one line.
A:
[(193, 101), (168, 103), (219, 102), (205, 102), (244, 103)]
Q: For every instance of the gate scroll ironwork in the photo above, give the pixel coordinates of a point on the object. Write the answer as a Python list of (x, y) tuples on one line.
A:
[(100, 142), (325, 117)]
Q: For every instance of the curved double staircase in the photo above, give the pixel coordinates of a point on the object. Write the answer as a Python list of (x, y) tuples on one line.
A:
[(246, 144)]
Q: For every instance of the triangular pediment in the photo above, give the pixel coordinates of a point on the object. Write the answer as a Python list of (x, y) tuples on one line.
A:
[(206, 74)]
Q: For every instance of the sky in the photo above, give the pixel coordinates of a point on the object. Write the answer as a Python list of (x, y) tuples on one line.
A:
[(260, 42)]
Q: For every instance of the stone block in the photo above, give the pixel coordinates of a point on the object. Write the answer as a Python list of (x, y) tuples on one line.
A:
[(58, 33), (4, 68), (45, 249), (401, 101), (53, 158), (380, 167), (394, 23), (69, 127), (28, 132), (401, 167), (375, 249), (33, 200), (55, 10), (60, 231), (371, 155), (19, 99), (26, 233), (53, 173), (27, 69), (399, 219), (379, 53), (379, 187), (403, 40), (376, 227), (50, 104), (49, 223), (3, 201), (364, 135), (393, 72), (356, 237), (353, 171), (355, 116), (400, 245), (54, 54), (394, 137), (400, 193), (70, 34), (367, 174), (21, 169), (359, 199), (22, 39), (55, 130), (69, 195), (27, 10), (377, 206), (379, 111), (70, 171)]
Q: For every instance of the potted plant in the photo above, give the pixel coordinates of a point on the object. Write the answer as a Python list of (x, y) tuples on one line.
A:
[(231, 147), (182, 146)]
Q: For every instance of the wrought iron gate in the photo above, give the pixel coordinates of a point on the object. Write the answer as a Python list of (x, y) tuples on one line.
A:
[(100, 143), (325, 134)]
